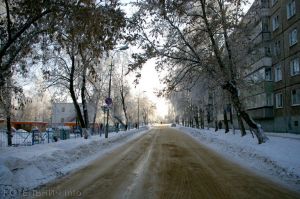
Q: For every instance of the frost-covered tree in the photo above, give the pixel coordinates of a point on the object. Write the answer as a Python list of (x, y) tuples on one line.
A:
[(194, 37), (97, 89), (77, 48), (23, 23)]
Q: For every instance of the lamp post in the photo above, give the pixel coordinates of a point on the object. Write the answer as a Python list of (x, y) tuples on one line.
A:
[(108, 99)]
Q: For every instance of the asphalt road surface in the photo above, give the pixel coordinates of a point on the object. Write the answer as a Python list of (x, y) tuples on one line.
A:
[(164, 163)]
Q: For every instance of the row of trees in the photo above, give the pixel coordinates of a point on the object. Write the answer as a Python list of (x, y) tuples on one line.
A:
[(204, 105), (69, 41), (196, 42)]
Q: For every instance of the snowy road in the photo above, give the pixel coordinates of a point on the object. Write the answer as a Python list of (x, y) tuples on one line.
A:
[(163, 163)]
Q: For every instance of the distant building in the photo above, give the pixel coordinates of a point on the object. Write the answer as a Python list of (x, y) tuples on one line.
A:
[(63, 113)]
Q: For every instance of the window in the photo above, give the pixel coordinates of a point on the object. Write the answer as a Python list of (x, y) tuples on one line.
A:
[(291, 9), (275, 22), (279, 100), (278, 74), (63, 109), (62, 120), (296, 96), (274, 2), (295, 69), (276, 48), (293, 37), (269, 100), (268, 74)]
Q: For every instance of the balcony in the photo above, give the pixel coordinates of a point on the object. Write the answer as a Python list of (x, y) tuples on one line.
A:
[(260, 62), (261, 37), (268, 86), (262, 112)]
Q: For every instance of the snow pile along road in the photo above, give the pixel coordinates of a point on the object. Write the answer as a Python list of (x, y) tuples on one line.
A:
[(278, 159), (24, 168)]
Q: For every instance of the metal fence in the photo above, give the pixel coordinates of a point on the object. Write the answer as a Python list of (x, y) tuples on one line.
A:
[(23, 138), (18, 138)]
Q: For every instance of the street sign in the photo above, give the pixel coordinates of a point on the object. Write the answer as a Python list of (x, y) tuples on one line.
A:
[(108, 101)]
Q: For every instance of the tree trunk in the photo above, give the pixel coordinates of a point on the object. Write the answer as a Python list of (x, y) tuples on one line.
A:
[(119, 120), (208, 119), (197, 121), (231, 120), (201, 119), (123, 101), (145, 119), (95, 115), (241, 125), (124, 107), (216, 126), (258, 131), (226, 121), (84, 103), (73, 96)]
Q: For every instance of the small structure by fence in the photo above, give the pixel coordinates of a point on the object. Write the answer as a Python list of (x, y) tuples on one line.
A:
[(29, 125)]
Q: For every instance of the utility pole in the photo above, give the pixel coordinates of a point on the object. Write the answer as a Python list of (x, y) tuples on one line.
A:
[(109, 91), (108, 99)]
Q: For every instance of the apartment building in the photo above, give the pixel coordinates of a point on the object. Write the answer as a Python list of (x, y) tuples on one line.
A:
[(285, 21), (258, 93), (274, 98)]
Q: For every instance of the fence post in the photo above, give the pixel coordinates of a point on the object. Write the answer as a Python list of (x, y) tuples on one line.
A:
[(48, 136), (32, 137)]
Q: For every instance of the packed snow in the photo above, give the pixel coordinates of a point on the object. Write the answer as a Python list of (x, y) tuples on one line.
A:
[(278, 159), (24, 168)]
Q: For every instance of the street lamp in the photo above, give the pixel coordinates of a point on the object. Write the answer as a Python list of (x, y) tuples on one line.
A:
[(108, 100)]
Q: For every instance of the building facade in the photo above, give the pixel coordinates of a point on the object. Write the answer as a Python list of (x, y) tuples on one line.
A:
[(274, 99), (285, 20), (63, 113)]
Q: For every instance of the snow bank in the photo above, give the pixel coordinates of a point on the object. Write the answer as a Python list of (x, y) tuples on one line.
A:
[(24, 168), (278, 159)]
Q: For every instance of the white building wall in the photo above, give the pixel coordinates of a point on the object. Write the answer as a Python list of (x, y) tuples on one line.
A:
[(63, 112)]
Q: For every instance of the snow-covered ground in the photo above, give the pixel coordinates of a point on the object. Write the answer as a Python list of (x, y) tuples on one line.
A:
[(278, 159), (24, 168)]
